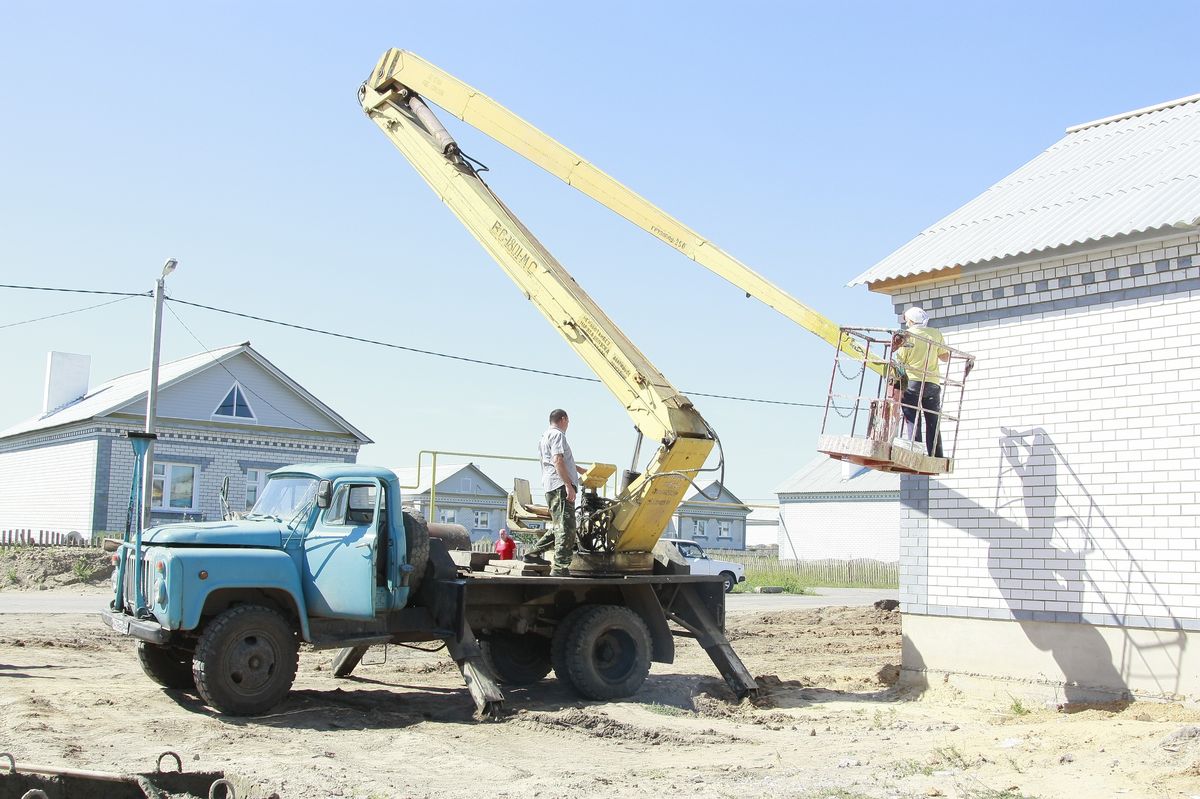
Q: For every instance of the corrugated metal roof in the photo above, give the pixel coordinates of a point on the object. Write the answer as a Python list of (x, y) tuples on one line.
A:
[(1133, 173), (123, 390), (824, 475)]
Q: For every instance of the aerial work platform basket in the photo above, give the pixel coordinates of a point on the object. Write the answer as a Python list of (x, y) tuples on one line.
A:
[(880, 416)]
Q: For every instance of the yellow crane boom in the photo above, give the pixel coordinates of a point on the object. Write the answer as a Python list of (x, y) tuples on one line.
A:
[(659, 411), (402, 68)]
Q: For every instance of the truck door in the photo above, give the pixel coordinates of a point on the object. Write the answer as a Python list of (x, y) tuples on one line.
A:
[(340, 552)]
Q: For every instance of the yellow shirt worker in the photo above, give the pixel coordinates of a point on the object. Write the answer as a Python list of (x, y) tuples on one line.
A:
[(921, 356)]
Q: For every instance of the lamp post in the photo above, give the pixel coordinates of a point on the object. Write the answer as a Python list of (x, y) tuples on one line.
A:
[(152, 394)]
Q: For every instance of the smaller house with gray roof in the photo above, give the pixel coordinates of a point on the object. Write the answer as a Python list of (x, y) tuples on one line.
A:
[(459, 493), (225, 413), (713, 518), (840, 511)]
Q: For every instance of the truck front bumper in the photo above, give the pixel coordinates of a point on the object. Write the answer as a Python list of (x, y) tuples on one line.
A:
[(150, 631)]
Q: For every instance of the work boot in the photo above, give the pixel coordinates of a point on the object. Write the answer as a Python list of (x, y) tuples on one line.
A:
[(560, 572), (534, 557)]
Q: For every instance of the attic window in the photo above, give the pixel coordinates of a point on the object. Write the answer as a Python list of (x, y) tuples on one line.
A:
[(234, 406)]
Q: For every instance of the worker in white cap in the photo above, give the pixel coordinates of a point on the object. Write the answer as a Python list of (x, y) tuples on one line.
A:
[(921, 351)]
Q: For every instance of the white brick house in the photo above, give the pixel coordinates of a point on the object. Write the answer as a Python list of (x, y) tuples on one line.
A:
[(229, 412), (1063, 550), (836, 510)]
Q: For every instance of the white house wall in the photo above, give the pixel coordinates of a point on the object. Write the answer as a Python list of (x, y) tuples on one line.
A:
[(816, 529), (48, 487), (1073, 496)]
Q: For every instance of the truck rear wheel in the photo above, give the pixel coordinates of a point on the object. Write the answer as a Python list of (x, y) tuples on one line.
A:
[(607, 652), (516, 659), (167, 666), (416, 538), (558, 645), (246, 660)]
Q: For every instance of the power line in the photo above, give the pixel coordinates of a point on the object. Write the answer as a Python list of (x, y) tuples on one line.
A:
[(477, 361), (392, 345), (76, 291), (67, 313)]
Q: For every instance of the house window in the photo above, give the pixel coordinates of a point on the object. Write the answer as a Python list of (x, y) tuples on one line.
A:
[(699, 528), (173, 487), (447, 515), (724, 530), (235, 406), (466, 485), (483, 519), (256, 481)]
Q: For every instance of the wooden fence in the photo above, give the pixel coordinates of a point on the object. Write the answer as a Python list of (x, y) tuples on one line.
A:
[(41, 538), (829, 573)]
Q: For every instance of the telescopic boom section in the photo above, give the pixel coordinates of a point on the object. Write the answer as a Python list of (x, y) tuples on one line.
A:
[(400, 67), (659, 411)]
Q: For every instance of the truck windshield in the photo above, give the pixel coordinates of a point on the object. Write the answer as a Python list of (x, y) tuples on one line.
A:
[(283, 497)]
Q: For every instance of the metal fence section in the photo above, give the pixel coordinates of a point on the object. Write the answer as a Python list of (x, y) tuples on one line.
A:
[(41, 538), (829, 573)]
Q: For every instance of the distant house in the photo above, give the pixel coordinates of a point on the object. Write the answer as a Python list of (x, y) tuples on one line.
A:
[(837, 510), (713, 518), (225, 413), (463, 494)]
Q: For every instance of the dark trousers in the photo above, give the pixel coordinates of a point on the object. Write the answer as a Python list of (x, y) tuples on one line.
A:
[(929, 397)]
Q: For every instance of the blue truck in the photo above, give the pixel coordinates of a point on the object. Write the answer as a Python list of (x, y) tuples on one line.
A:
[(328, 558)]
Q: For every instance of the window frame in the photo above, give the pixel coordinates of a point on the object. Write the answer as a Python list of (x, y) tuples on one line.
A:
[(487, 516), (164, 504), (724, 529), (699, 528), (442, 515), (237, 390), (259, 483)]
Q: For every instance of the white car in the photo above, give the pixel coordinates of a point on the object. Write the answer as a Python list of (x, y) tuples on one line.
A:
[(701, 563)]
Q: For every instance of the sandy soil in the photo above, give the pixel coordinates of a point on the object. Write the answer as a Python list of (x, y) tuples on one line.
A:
[(830, 725)]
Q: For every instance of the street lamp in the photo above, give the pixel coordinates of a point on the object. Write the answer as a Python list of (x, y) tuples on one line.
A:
[(152, 394)]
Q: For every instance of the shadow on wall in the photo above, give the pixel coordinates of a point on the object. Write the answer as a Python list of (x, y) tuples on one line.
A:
[(1046, 536)]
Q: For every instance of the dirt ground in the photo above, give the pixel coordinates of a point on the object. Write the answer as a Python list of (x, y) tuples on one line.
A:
[(831, 724)]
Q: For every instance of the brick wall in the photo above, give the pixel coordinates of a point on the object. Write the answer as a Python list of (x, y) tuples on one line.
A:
[(48, 486), (214, 455), (1073, 495)]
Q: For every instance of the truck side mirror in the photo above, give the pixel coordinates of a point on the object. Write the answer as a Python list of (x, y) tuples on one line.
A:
[(324, 493)]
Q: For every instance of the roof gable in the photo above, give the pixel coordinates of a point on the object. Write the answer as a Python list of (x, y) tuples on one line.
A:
[(127, 393), (449, 480), (1136, 173), (722, 496)]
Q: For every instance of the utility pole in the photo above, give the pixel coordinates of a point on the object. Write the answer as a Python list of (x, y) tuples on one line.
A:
[(152, 395)]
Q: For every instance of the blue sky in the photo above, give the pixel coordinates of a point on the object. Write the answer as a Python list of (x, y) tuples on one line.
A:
[(809, 140)]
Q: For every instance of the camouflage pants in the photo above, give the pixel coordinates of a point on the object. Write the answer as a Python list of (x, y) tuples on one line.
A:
[(560, 532)]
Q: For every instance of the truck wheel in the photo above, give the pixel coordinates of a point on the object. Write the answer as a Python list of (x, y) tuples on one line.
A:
[(730, 581), (608, 652), (558, 645), (516, 659), (416, 537), (169, 667), (246, 660)]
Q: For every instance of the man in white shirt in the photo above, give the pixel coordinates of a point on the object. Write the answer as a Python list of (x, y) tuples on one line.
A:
[(560, 480)]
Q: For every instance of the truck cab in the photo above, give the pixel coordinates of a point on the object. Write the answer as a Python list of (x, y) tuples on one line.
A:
[(325, 544)]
